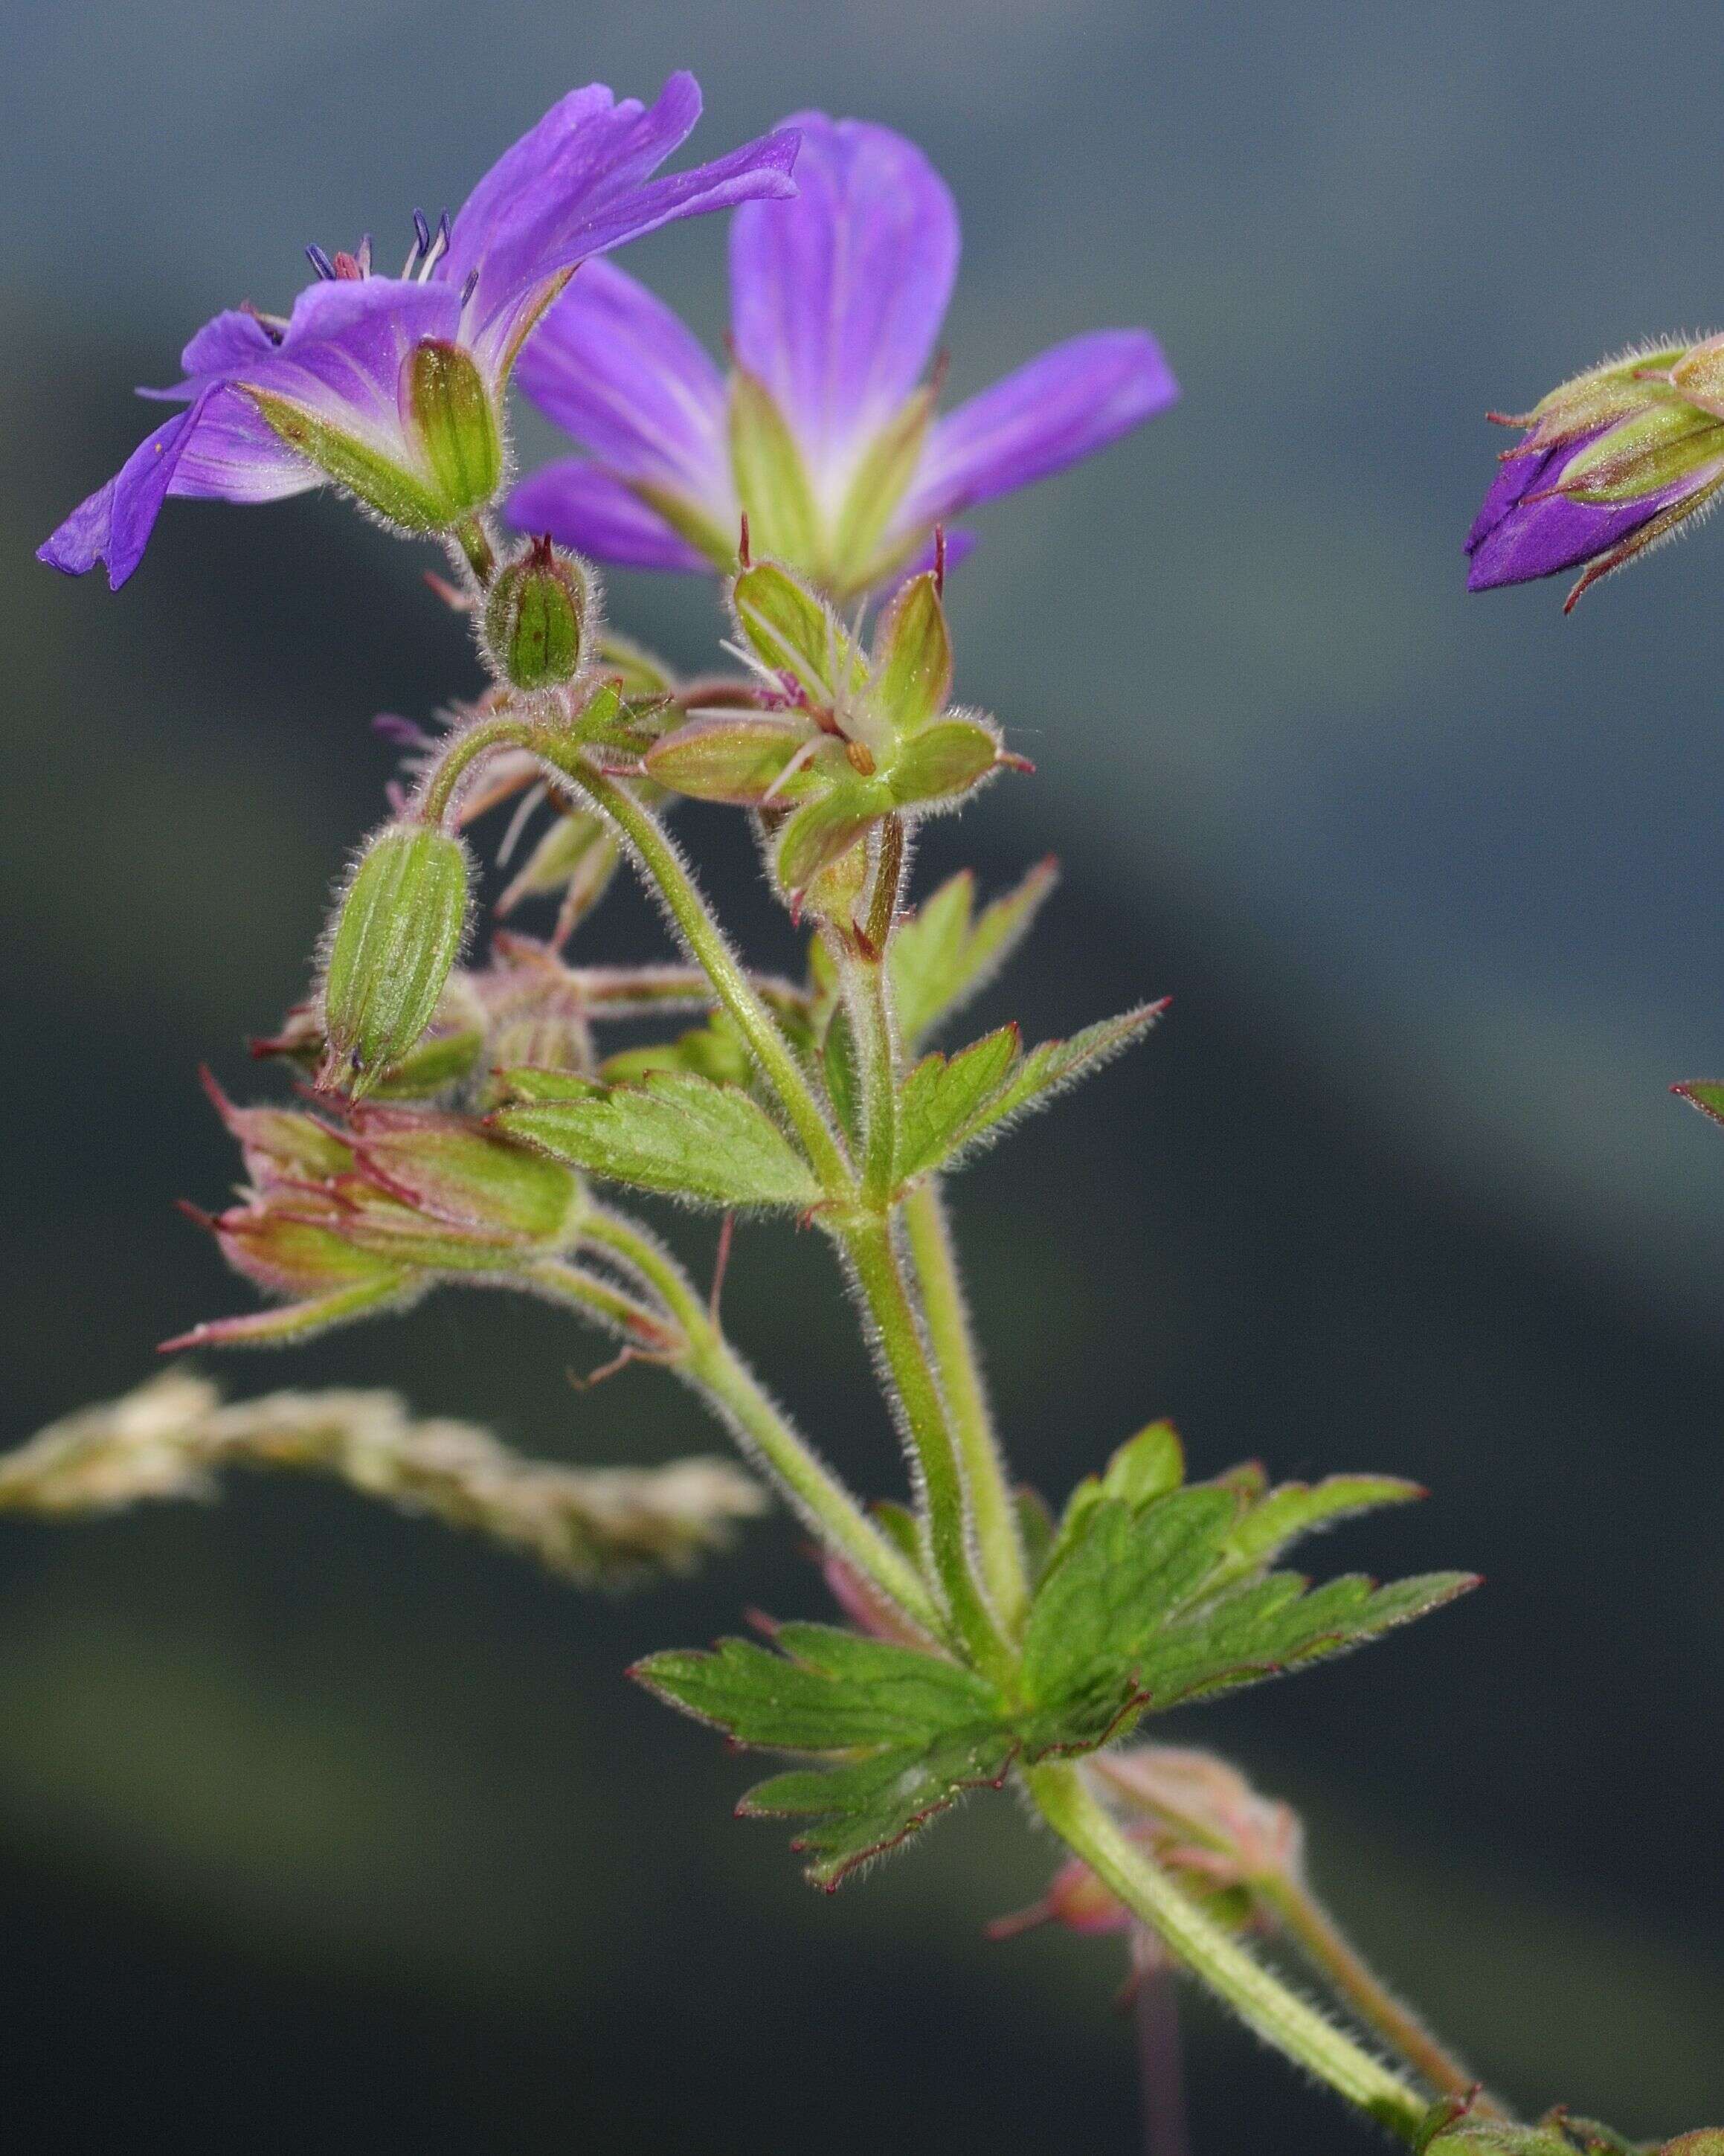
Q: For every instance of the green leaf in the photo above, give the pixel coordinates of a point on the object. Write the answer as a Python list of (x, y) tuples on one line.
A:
[(714, 1050), (844, 1081), (1153, 1594), (1300, 1508), (915, 1729), (674, 1132), (941, 956), (862, 1808), (942, 1096), (1705, 1094), (944, 1110)]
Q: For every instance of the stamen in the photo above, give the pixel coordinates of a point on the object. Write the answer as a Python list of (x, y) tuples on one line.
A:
[(437, 248), (321, 263), (364, 256), (940, 561), (348, 269), (471, 285), (421, 231)]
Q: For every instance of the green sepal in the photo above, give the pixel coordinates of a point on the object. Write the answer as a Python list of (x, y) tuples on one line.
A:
[(794, 632), (399, 496), (823, 831), (1641, 456), (739, 757), (1451, 2127), (772, 480), (912, 666), (945, 1110), (943, 760), (945, 953), (638, 671), (674, 1131), (450, 408)]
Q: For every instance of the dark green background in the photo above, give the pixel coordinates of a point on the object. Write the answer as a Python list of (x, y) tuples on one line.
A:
[(322, 1829)]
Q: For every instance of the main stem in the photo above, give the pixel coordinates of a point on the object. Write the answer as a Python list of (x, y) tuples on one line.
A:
[(866, 1240), (710, 949), (714, 1368), (1258, 1996), (998, 1538)]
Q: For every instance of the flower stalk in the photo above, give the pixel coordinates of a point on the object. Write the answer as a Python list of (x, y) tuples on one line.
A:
[(1262, 2001)]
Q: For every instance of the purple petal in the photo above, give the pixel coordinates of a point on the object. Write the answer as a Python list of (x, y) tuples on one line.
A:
[(578, 185), (1514, 540), (233, 340), (585, 507), (1062, 407), (615, 369), (838, 297), (340, 358), (218, 446)]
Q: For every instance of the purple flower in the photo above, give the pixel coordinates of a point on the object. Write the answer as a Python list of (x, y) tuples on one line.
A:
[(1613, 462), (823, 434), (391, 387)]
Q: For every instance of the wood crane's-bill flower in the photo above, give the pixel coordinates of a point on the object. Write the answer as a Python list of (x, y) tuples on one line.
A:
[(391, 387), (825, 431), (1611, 464)]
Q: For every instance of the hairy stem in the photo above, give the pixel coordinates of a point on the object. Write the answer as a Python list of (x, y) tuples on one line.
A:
[(867, 1242), (708, 947), (999, 1542), (1324, 1945), (1258, 1996), (714, 1369), (452, 766)]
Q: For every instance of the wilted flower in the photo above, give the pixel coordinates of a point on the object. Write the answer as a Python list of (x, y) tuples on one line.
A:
[(1612, 463), (823, 434), (340, 1220), (391, 387)]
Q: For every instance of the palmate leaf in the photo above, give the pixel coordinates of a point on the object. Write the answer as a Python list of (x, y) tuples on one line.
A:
[(946, 952), (1148, 1601), (949, 1104), (1151, 1594), (674, 1132), (913, 1730)]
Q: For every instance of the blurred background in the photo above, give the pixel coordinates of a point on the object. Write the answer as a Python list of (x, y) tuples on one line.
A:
[(322, 1828)]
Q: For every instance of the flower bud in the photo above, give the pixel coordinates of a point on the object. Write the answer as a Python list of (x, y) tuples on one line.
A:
[(395, 939), (1612, 462), (446, 406), (535, 619)]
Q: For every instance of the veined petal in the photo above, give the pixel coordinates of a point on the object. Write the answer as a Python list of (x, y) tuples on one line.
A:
[(233, 339), (838, 297), (578, 185), (340, 358), (218, 447), (1059, 408), (582, 506), (616, 370)]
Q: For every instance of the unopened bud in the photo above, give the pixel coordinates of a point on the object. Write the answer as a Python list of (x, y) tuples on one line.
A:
[(444, 402), (535, 619), (396, 939)]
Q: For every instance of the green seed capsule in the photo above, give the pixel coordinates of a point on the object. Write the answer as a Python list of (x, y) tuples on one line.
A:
[(397, 937), (536, 617)]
